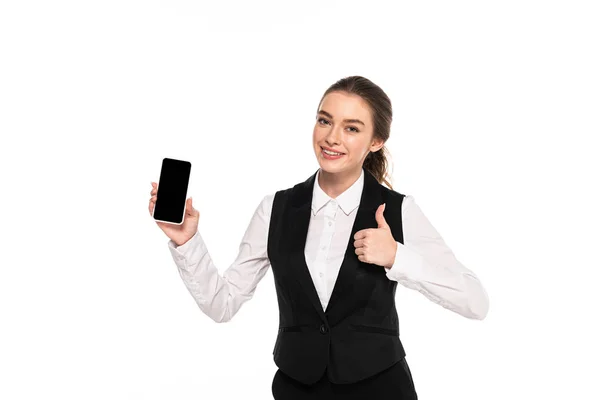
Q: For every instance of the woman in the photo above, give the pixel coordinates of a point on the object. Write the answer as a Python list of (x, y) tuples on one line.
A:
[(338, 245)]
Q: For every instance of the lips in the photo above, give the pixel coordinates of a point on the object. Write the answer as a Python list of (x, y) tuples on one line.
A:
[(329, 156), (331, 150)]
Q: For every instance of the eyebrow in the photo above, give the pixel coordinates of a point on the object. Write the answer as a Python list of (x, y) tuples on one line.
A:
[(325, 113)]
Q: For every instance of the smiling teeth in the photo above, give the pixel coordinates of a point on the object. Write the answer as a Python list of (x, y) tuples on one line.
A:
[(332, 153)]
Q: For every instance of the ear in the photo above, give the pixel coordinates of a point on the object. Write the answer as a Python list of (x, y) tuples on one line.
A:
[(377, 144)]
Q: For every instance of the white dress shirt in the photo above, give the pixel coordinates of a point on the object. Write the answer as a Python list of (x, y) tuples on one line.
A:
[(423, 263)]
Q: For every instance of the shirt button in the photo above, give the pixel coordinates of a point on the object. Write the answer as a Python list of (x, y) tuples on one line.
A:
[(323, 248), (321, 274), (323, 329), (330, 223)]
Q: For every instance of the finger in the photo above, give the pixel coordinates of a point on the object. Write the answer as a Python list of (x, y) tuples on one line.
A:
[(381, 222), (361, 234), (190, 210), (359, 251), (151, 204), (359, 243)]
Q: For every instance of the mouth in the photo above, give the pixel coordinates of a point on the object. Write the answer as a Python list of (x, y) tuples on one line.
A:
[(330, 154)]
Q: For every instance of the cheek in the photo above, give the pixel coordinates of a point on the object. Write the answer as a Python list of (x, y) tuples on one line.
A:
[(354, 146), (317, 135)]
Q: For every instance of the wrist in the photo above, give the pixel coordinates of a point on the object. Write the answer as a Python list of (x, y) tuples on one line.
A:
[(391, 263)]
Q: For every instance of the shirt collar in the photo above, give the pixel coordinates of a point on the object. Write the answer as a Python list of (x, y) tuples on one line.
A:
[(348, 200)]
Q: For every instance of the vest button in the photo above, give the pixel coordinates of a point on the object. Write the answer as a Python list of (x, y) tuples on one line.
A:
[(323, 329)]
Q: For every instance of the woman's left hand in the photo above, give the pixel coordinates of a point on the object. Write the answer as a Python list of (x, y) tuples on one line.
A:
[(376, 245)]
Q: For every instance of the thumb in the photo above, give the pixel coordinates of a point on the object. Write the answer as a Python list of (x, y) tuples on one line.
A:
[(189, 208), (379, 217)]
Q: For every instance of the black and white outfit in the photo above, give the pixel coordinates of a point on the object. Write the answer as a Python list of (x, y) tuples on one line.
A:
[(338, 326)]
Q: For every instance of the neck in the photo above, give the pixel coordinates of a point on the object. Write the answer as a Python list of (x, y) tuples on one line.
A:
[(335, 184)]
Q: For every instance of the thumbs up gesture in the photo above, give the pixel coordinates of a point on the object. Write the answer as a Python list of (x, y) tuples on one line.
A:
[(376, 245)]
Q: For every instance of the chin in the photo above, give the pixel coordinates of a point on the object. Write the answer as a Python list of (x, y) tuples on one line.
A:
[(327, 167)]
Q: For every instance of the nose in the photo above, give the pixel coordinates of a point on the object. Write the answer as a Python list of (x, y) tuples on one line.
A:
[(334, 137)]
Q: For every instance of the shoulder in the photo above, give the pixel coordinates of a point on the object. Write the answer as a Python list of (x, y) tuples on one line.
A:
[(268, 199), (392, 195), (271, 203), (282, 195), (266, 203), (400, 201)]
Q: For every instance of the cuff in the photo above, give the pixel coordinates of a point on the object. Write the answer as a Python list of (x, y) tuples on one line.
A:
[(407, 265), (186, 250)]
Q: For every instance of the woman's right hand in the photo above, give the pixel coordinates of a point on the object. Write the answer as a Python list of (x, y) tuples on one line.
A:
[(177, 233)]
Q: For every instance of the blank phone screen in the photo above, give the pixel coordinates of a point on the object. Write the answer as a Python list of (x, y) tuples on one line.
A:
[(172, 190)]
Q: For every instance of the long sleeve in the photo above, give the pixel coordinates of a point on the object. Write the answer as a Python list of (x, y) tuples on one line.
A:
[(220, 297), (426, 264)]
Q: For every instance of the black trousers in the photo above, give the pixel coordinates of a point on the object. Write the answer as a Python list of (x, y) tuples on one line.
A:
[(394, 383)]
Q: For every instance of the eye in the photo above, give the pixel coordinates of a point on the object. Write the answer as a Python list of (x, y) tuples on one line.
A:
[(355, 129), (322, 119)]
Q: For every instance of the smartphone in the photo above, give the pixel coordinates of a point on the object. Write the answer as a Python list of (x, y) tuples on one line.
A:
[(172, 191)]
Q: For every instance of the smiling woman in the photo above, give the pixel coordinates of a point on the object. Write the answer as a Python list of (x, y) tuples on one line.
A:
[(338, 245)]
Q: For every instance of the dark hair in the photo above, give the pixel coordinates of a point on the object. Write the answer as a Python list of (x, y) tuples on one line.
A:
[(381, 112)]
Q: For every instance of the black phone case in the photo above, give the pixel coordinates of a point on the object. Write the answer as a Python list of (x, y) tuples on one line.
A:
[(172, 191)]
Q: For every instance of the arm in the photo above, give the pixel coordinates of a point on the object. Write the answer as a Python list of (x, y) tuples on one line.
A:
[(220, 297), (426, 264)]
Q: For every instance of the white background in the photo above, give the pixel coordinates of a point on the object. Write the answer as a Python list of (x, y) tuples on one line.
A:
[(496, 122)]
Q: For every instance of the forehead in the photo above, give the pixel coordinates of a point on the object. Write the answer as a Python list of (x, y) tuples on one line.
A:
[(345, 105)]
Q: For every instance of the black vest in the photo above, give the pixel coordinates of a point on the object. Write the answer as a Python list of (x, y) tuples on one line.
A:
[(358, 334)]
